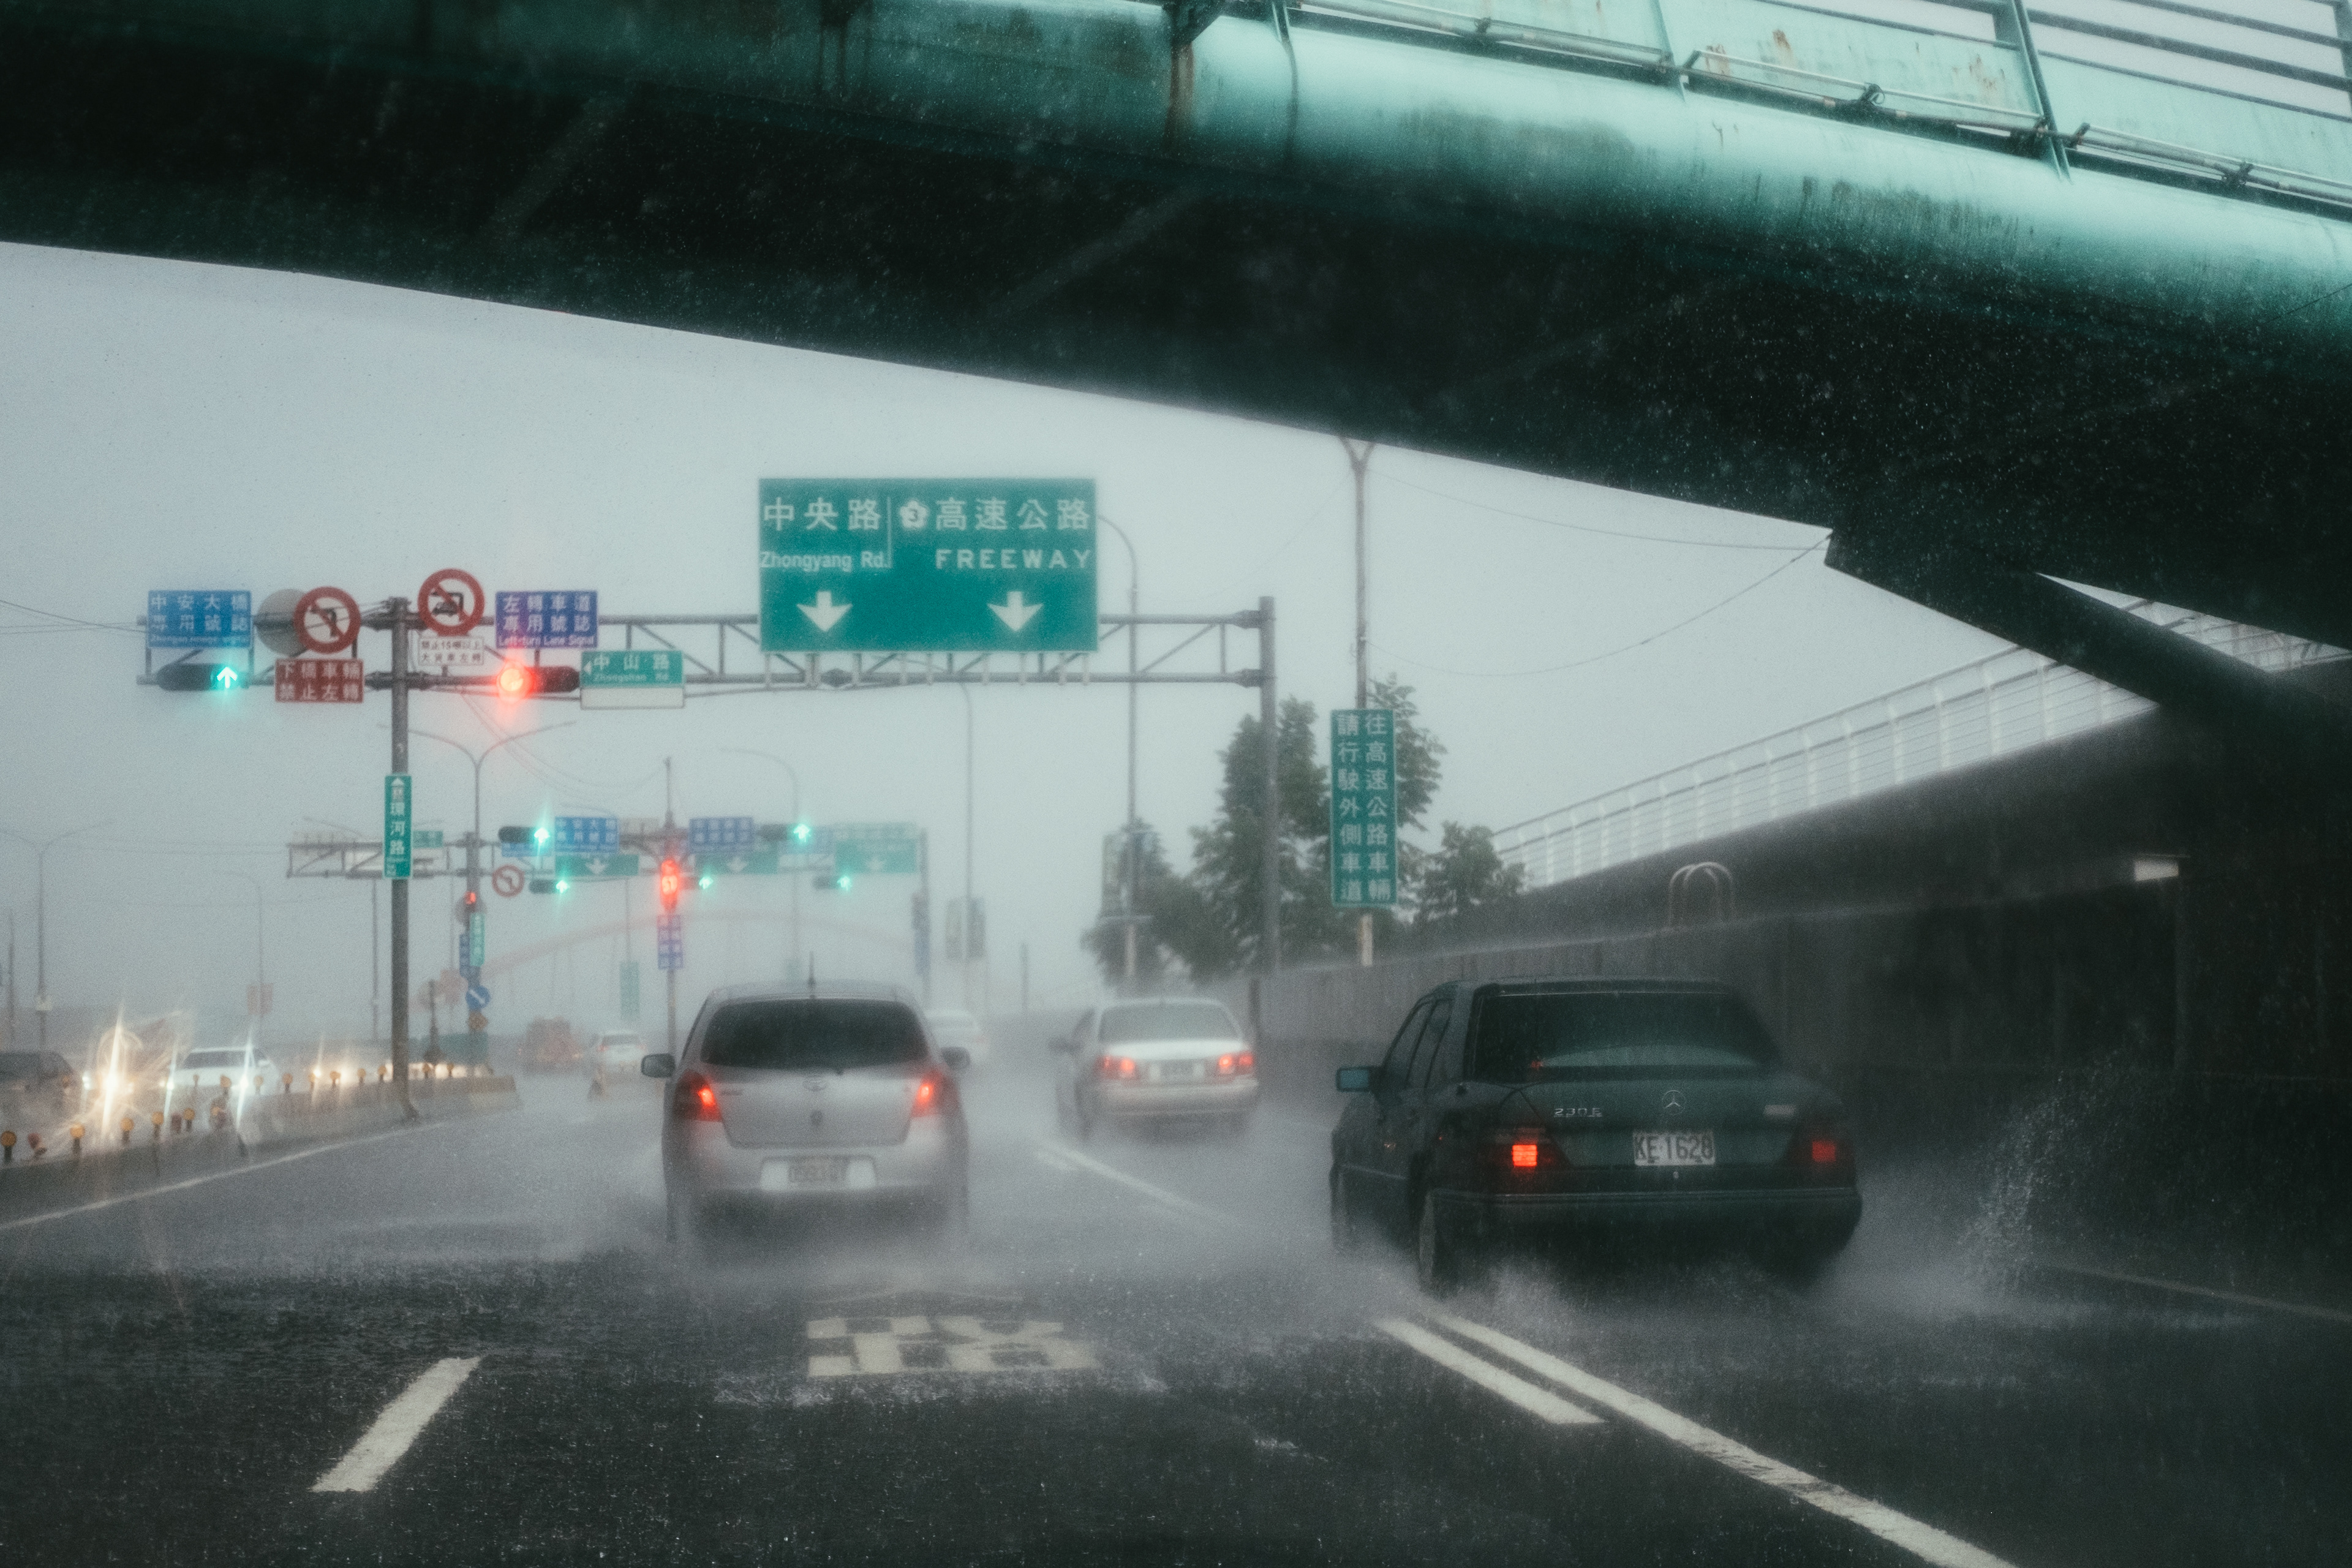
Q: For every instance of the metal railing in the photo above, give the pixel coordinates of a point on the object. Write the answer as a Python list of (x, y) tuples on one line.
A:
[(1997, 706)]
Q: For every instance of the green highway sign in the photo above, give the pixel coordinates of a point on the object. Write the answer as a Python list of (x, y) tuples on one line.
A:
[(927, 565), (585, 868), (399, 815), (426, 839), (736, 863), (1363, 808), (633, 677), (877, 849)]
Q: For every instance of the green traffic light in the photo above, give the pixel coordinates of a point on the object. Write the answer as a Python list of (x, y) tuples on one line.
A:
[(540, 835), (563, 884), (799, 832), (842, 881), (703, 881), (227, 679)]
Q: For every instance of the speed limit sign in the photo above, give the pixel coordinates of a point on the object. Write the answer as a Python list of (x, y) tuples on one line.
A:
[(327, 620), (451, 602), (508, 881)]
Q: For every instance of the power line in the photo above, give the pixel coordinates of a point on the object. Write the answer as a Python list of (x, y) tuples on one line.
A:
[(1612, 653), (1579, 527), (74, 621)]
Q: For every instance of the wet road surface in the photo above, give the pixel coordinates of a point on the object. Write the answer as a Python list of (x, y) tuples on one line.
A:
[(475, 1337)]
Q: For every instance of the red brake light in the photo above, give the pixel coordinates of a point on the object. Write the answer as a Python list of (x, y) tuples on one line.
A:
[(1225, 1065), (1248, 1062), (696, 1100), (930, 1094), (1826, 1151), (1118, 1067), (1523, 1156)]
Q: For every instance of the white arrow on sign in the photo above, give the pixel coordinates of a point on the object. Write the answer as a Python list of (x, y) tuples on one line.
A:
[(738, 863), (827, 614), (597, 865), (1015, 612)]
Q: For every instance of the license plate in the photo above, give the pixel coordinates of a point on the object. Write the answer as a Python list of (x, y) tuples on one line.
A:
[(821, 1171), (1177, 1069), (1673, 1148)]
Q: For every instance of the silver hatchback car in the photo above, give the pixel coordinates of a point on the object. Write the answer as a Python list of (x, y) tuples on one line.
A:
[(829, 1096)]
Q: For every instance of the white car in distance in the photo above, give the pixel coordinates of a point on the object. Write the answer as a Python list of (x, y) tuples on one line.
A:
[(1163, 1059)]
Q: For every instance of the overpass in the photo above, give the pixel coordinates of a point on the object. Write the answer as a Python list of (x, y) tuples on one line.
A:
[(1990, 289)]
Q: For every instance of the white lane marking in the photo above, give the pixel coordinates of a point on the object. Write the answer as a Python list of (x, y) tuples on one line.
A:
[(2326, 1314), (215, 1176), (381, 1447), (1490, 1378), (1183, 1205), (1923, 1541), (1052, 1161)]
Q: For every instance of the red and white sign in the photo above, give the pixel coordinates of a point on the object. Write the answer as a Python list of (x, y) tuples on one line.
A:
[(327, 620), (508, 881), (458, 656), (451, 602), (321, 680)]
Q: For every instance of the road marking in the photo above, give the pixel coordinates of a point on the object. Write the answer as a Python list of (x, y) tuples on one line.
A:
[(381, 1447), (1923, 1541), (883, 1346), (1490, 1378), (2326, 1314), (1184, 1206), (1052, 1161), (200, 1181)]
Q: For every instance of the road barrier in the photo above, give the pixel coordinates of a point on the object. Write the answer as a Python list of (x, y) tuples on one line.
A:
[(266, 1123)]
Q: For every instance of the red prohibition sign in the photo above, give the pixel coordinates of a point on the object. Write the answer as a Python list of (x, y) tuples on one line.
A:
[(451, 602), (327, 620), (508, 881)]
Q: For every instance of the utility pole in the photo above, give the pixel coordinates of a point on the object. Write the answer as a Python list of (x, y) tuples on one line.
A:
[(670, 852), (1270, 827), (41, 928), (1360, 459), (375, 959), (12, 977), (791, 846), (397, 609), (970, 925), (923, 926), (1133, 844)]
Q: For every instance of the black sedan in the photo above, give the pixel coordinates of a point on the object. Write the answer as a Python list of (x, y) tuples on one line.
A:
[(1540, 1106)]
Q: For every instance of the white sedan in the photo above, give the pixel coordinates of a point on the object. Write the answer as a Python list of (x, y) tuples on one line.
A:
[(1171, 1058)]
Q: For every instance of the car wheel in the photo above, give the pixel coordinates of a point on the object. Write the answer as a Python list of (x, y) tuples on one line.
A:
[(1346, 1235), (1438, 1254)]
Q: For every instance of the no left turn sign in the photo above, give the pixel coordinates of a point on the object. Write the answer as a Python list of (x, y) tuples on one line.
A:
[(451, 602), (327, 620), (508, 881)]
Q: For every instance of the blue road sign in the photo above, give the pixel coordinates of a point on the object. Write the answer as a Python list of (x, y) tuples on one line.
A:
[(564, 619), (720, 835), (583, 835), (199, 617), (477, 998), (669, 941)]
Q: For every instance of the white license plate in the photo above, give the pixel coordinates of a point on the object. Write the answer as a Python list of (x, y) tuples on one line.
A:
[(1673, 1148), (819, 1171), (1165, 1070)]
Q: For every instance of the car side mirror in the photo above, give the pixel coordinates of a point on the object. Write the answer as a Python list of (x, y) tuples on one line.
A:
[(1357, 1081), (956, 1057), (660, 1063)]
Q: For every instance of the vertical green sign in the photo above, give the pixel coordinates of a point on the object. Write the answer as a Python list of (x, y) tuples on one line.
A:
[(1363, 808), (398, 813)]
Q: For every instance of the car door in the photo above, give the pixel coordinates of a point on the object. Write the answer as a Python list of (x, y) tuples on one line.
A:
[(1356, 1141), (1390, 1157), (1411, 1124)]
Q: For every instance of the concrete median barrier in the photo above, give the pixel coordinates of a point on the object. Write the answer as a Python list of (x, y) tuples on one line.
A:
[(108, 1168)]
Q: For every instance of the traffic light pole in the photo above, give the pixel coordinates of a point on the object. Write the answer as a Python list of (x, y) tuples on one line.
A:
[(397, 622)]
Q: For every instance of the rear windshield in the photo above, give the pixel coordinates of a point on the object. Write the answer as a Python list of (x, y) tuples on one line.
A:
[(19, 1065), (813, 1034), (1516, 1038), (1168, 1021)]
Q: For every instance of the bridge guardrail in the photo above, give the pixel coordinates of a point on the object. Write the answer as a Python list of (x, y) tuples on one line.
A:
[(1992, 707)]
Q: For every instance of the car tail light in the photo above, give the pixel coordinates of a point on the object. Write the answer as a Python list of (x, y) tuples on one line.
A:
[(1117, 1068), (1523, 1155), (933, 1094), (1826, 1151), (695, 1100), (1823, 1150), (1522, 1149)]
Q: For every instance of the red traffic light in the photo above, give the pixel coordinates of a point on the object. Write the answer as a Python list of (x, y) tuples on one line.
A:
[(672, 878), (516, 681)]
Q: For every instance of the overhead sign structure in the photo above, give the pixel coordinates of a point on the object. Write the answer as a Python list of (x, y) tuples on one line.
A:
[(199, 617), (562, 619), (451, 602), (327, 620), (319, 680), (877, 849), (633, 677), (947, 565), (583, 835), (1363, 808), (669, 941), (722, 834), (398, 815), (587, 868)]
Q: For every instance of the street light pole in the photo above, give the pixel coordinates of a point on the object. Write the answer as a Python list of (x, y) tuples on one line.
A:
[(41, 923), (969, 923), (260, 956), (1134, 832), (792, 968), (1360, 459)]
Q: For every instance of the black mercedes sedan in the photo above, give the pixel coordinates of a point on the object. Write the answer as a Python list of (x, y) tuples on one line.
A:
[(1536, 1107)]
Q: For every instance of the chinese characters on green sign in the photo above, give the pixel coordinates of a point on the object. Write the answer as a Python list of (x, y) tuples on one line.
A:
[(1363, 808)]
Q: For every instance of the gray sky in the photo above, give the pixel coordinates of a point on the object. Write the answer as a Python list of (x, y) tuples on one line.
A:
[(164, 424)]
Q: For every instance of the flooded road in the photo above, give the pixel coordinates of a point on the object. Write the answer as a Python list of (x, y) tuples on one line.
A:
[(475, 1338)]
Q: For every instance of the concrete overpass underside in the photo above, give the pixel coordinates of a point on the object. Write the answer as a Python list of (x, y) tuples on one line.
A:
[(1922, 336)]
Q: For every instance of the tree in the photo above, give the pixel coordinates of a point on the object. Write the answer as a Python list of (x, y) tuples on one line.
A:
[(1463, 874), (1222, 934), (1155, 880)]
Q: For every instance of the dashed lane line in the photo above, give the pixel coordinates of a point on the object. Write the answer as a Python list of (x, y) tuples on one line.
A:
[(1535, 1401), (199, 1181), (2326, 1314), (381, 1447), (1201, 1213), (1922, 1540)]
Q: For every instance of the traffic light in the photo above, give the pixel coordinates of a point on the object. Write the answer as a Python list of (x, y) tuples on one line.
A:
[(186, 676), (514, 835), (671, 880), (517, 682), (473, 900), (830, 881), (543, 884), (539, 835), (801, 833)]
